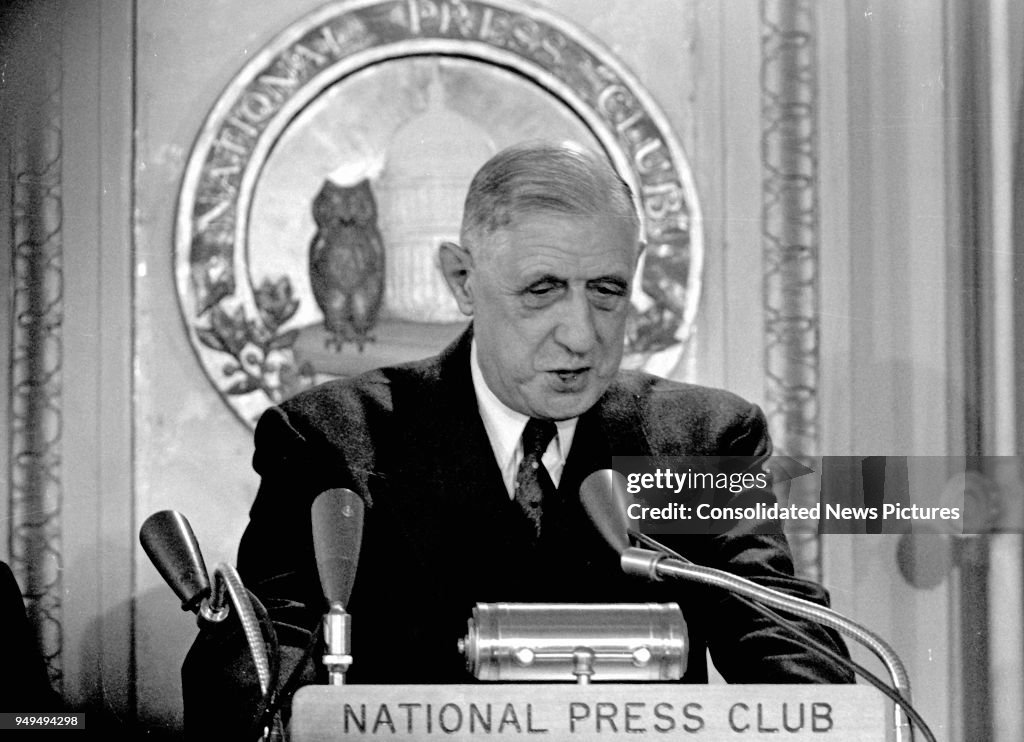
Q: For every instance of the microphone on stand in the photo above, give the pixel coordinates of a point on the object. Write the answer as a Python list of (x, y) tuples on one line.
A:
[(337, 519), (606, 500), (169, 541)]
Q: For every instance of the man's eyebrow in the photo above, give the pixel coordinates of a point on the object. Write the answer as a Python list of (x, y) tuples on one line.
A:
[(530, 280), (617, 280)]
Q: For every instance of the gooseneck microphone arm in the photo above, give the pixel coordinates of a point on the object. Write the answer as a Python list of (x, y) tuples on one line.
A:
[(227, 575), (812, 643), (656, 566)]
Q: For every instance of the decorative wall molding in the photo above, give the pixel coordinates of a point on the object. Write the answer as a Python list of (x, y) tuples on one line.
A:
[(35, 426), (791, 236)]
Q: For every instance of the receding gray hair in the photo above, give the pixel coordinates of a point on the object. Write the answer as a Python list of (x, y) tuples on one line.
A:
[(543, 177)]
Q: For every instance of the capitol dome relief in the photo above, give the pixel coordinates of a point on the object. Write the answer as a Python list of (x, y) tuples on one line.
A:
[(431, 160)]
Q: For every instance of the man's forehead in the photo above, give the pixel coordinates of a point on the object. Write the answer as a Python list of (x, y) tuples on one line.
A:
[(564, 245), (586, 233)]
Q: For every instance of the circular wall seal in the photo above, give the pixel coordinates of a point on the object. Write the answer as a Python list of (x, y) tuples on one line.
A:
[(349, 140)]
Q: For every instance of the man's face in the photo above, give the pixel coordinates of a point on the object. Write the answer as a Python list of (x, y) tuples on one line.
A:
[(550, 295)]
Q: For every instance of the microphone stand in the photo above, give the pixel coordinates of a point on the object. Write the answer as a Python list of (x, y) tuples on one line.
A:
[(337, 643), (656, 565), (169, 541), (227, 582)]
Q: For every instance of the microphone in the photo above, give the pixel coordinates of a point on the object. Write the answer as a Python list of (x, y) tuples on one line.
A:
[(169, 541), (605, 501), (337, 517), (337, 521)]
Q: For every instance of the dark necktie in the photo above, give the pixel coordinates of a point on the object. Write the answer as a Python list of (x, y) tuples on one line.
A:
[(533, 483)]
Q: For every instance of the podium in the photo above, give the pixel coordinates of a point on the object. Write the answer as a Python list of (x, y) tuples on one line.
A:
[(588, 713)]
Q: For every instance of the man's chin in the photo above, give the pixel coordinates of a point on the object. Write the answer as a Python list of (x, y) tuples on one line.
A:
[(561, 405)]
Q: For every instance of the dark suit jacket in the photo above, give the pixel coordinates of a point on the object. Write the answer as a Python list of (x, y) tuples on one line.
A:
[(24, 684), (441, 533)]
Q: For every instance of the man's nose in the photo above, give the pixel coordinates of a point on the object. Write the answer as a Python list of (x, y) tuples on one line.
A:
[(575, 330)]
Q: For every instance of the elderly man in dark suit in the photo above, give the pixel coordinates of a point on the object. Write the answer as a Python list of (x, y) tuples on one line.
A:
[(470, 463)]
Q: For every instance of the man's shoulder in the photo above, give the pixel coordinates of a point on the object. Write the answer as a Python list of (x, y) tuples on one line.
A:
[(370, 392), (660, 394), (679, 415)]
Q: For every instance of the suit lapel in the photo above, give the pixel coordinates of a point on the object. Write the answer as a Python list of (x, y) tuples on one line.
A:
[(452, 491), (612, 427)]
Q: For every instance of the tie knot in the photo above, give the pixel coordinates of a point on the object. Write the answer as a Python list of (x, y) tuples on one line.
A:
[(536, 436)]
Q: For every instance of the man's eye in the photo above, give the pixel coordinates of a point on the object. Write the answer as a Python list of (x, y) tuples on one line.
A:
[(543, 292), (607, 296), (607, 290)]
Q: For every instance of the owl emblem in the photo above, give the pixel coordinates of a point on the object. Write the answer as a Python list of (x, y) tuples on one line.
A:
[(346, 263)]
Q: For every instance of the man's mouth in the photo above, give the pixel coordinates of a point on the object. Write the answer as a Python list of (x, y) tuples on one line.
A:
[(570, 377)]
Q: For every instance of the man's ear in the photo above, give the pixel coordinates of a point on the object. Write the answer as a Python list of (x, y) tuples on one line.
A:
[(457, 268), (637, 297)]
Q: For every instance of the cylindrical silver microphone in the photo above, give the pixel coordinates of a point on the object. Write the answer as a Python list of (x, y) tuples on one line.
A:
[(555, 642)]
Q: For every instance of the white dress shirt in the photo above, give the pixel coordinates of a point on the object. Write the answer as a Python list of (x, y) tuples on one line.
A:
[(505, 426)]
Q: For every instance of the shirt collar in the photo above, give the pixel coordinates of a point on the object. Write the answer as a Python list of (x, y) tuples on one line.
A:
[(504, 425)]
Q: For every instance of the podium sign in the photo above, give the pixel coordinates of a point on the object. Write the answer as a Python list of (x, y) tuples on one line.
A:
[(665, 711)]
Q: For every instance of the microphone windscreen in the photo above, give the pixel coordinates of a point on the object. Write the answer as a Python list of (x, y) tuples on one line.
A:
[(605, 499), (168, 539), (337, 538)]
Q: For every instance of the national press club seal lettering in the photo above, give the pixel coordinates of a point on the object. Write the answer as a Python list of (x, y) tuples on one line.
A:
[(310, 209)]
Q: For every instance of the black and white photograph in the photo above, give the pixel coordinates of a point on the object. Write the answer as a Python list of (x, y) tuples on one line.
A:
[(506, 369)]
